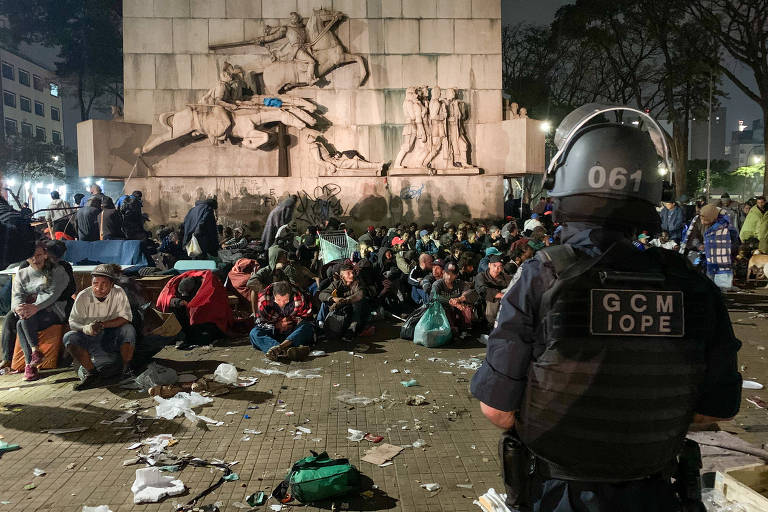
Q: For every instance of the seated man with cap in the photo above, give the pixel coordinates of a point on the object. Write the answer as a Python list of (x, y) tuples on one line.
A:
[(101, 325), (426, 244), (490, 285), (416, 277), (482, 266)]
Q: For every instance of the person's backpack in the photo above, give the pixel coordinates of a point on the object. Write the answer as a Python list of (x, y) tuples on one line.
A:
[(317, 478), (406, 331)]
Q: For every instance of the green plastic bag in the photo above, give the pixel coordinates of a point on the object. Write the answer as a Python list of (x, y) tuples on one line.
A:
[(319, 477), (433, 330)]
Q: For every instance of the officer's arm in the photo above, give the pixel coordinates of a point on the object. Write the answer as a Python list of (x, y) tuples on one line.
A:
[(502, 419)]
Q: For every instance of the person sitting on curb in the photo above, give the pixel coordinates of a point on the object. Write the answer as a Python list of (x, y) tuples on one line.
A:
[(101, 324), (36, 304), (284, 327)]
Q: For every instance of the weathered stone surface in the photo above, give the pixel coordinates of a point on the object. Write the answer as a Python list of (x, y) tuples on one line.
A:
[(478, 36), (278, 8), (208, 8), (190, 36), (352, 8), (340, 105), (486, 106), (204, 71), (147, 35), (306, 6), (385, 141), (139, 71), (225, 31), (391, 8), (394, 106), (345, 77), (511, 147), (138, 8), (201, 159), (139, 106), (173, 72), (420, 9), (374, 9), (369, 107), (419, 70), (253, 28), (454, 71), (436, 36), (386, 72), (486, 72), (454, 8), (366, 36), (401, 36), (243, 8), (486, 8), (105, 148), (172, 8)]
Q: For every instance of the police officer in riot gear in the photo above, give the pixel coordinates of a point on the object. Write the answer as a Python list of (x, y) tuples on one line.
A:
[(602, 355)]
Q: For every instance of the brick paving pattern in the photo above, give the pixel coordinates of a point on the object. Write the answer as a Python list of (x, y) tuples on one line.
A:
[(85, 468)]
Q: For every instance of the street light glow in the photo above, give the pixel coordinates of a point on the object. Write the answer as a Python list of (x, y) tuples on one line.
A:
[(756, 159), (663, 170), (545, 126)]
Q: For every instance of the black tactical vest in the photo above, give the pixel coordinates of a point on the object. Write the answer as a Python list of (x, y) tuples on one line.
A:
[(612, 389)]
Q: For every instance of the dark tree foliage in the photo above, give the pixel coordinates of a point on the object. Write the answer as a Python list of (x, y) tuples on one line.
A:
[(88, 34)]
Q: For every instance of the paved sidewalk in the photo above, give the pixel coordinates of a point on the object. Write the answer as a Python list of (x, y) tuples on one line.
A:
[(85, 468)]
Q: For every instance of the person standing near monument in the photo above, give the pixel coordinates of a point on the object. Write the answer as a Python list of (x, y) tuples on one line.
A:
[(437, 121), (414, 124)]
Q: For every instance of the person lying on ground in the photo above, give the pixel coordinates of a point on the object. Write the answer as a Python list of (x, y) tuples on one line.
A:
[(284, 327), (36, 304), (101, 325)]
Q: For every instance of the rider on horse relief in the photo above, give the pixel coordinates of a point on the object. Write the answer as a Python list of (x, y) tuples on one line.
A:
[(295, 46)]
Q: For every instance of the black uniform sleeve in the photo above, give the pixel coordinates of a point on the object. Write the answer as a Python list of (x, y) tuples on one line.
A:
[(721, 391), (500, 382)]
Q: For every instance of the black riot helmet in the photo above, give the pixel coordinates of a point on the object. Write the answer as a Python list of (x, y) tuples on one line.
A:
[(609, 170)]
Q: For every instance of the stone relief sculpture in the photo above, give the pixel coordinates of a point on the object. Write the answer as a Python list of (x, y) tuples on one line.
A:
[(301, 54), (433, 136), (350, 162), (223, 114), (523, 113)]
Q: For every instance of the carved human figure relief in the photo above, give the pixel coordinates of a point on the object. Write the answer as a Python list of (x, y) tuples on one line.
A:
[(414, 124), (457, 139), (438, 132), (332, 162)]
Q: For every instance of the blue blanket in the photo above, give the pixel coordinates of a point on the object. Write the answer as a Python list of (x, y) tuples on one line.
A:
[(121, 252)]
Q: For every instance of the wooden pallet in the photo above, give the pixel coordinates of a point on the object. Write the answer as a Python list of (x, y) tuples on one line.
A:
[(747, 485)]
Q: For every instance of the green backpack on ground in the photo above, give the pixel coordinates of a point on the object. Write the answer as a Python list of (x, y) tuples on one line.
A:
[(319, 477)]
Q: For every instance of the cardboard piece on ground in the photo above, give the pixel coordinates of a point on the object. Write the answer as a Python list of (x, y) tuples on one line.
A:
[(382, 453)]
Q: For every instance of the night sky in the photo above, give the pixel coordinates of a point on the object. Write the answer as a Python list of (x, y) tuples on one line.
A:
[(543, 12)]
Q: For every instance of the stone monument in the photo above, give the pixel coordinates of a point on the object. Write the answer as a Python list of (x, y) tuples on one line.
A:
[(368, 110)]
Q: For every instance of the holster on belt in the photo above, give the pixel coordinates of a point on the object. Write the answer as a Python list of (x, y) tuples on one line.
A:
[(517, 470)]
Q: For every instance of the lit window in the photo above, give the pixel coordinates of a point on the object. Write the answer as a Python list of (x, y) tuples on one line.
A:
[(55, 114), (26, 130), (25, 104), (40, 133), (37, 82), (9, 99), (54, 89), (11, 128), (56, 137), (24, 78), (39, 109), (8, 71)]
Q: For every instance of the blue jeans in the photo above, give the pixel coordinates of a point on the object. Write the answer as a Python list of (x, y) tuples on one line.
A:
[(26, 330), (264, 338), (103, 347)]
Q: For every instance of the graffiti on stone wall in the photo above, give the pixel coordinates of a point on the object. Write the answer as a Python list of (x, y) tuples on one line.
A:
[(411, 192), (317, 207)]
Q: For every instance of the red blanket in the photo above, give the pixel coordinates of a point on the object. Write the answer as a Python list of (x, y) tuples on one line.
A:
[(238, 276), (210, 304)]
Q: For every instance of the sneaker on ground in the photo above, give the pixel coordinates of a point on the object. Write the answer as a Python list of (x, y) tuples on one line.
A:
[(87, 382), (31, 373), (297, 353)]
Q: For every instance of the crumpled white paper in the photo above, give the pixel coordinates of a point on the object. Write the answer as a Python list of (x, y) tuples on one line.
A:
[(303, 373), (151, 486), (100, 508)]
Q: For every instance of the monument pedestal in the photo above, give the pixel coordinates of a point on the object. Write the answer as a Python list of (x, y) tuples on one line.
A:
[(423, 171)]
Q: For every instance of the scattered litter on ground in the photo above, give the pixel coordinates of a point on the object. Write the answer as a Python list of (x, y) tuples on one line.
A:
[(276, 508), (225, 373), (7, 447), (186, 378), (394, 370), (29, 487), (317, 353), (246, 382), (464, 486), (123, 418), (373, 438), (355, 435), (252, 432), (151, 486), (229, 413), (419, 443), (181, 404), (416, 400), (71, 465), (135, 404), (386, 464), (100, 508), (38, 472), (431, 487), (305, 373), (64, 430), (245, 438), (409, 383), (757, 402), (381, 453), (751, 384), (492, 501), (469, 364), (231, 477), (304, 430)]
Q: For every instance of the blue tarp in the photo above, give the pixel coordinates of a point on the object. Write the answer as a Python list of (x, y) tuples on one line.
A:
[(121, 252)]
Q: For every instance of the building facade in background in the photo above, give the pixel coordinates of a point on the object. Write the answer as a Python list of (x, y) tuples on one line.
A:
[(31, 99), (747, 146), (699, 136)]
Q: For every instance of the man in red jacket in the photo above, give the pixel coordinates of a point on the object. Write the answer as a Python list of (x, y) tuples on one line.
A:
[(284, 327)]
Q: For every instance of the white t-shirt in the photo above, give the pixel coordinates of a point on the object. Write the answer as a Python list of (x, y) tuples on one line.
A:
[(88, 308)]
